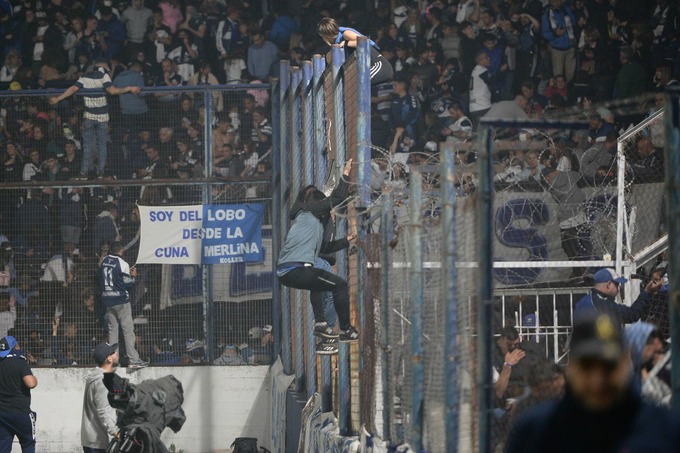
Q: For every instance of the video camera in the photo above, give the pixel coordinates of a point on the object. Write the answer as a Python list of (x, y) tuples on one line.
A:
[(145, 410)]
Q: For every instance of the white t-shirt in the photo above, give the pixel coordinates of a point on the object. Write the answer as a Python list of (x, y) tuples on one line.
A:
[(234, 68)]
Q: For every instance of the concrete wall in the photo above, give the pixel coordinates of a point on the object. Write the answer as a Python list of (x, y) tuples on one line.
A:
[(221, 403)]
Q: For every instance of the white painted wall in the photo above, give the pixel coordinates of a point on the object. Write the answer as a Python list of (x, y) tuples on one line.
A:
[(221, 403)]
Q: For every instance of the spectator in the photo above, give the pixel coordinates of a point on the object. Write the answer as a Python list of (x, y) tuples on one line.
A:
[(72, 209), (557, 86), (261, 132), (403, 117), (535, 101), (235, 67), (598, 128), (599, 395), (133, 107), (559, 29), (184, 54), (11, 66), (631, 80), (136, 18), (204, 76), (118, 278), (480, 94), (106, 227), (96, 116), (184, 160), (156, 168), (649, 165), (602, 298), (158, 38), (98, 421), (532, 167), (230, 356), (60, 267), (460, 129), (110, 34), (8, 312), (32, 167), (168, 78), (227, 33), (195, 24), (646, 345), (598, 155), (261, 55), (172, 14)]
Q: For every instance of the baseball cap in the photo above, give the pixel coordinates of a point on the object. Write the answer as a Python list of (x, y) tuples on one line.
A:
[(597, 336), (7, 344), (102, 351), (608, 275), (267, 328)]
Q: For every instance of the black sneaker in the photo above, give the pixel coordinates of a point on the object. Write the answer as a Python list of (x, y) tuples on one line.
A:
[(323, 330), (326, 348), (350, 334)]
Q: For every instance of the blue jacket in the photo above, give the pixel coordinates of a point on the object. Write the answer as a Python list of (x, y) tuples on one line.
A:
[(636, 338), (549, 27), (116, 281), (631, 426), (601, 303)]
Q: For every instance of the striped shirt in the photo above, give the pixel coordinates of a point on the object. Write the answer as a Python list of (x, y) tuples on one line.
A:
[(96, 107)]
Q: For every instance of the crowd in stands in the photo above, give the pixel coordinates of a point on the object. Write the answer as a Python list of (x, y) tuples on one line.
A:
[(455, 62)]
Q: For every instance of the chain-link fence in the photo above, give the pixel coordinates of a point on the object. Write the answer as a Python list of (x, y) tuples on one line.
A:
[(71, 186)]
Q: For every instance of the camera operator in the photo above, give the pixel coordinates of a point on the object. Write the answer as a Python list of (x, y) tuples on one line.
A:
[(99, 418)]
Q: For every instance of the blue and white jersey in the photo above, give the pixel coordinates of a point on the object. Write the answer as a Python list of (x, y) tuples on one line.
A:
[(96, 107), (116, 280)]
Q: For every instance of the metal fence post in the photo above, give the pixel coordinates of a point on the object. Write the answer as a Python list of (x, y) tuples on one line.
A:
[(319, 118), (386, 230), (485, 285), (308, 152), (344, 383), (208, 315), (295, 186), (672, 158), (276, 213), (416, 294), (284, 88), (450, 296)]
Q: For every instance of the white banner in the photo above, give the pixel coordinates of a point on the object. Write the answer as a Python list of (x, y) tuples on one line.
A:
[(168, 234)]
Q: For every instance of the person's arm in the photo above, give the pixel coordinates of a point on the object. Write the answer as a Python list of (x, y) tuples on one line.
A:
[(335, 246), (113, 90), (511, 359), (535, 24), (30, 381), (105, 413), (351, 38), (66, 94)]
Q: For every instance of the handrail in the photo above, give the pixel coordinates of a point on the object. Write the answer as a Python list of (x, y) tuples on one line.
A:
[(641, 125)]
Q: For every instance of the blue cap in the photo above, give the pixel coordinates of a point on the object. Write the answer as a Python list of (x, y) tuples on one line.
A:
[(7, 344), (608, 275)]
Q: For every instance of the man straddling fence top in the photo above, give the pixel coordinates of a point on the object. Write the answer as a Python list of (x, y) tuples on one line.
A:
[(332, 33), (602, 298), (600, 411), (302, 246), (96, 116)]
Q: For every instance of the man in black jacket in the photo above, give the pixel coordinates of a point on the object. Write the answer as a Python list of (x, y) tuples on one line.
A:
[(600, 411)]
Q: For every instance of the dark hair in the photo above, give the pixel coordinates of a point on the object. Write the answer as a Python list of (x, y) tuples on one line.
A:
[(315, 195), (116, 247), (509, 333), (304, 193)]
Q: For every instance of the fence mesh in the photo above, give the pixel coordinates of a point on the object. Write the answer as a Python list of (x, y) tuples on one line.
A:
[(58, 218)]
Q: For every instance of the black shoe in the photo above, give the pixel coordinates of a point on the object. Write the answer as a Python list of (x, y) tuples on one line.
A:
[(350, 334), (323, 330), (326, 348)]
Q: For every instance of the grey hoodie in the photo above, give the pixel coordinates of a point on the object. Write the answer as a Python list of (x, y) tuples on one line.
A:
[(99, 418)]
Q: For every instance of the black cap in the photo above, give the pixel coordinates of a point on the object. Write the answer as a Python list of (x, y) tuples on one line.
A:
[(597, 336), (102, 351)]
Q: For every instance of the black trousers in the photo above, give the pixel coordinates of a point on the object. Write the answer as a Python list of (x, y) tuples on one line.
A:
[(318, 281), (381, 68)]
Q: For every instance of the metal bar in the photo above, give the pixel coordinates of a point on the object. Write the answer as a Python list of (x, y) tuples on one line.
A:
[(284, 74), (339, 143), (416, 295), (241, 87), (344, 406), (620, 204), (640, 126), (276, 213), (542, 124), (308, 153), (450, 297), (320, 135), (386, 226), (326, 384), (485, 286), (295, 153), (511, 264), (672, 159), (364, 122), (208, 317)]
